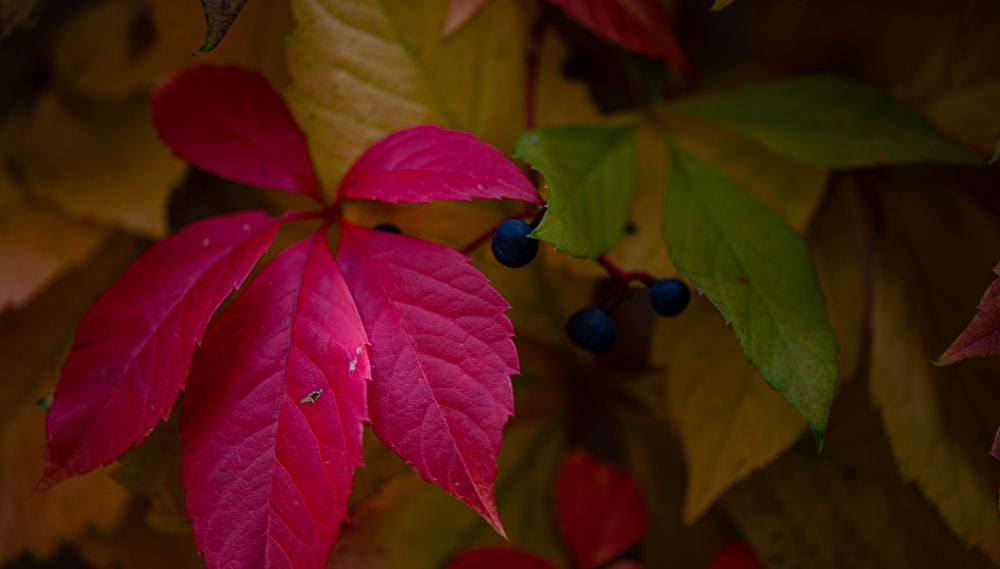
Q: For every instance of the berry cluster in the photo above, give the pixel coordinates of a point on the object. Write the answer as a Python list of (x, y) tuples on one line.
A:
[(592, 328)]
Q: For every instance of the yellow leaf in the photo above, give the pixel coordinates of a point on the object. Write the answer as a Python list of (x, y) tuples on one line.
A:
[(791, 189), (845, 508), (929, 272), (37, 244), (364, 68)]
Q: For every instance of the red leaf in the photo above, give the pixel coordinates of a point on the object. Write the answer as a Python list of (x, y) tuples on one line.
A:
[(427, 163), (600, 509), (272, 423), (499, 558), (982, 336), (637, 25), (231, 122), (442, 357), (734, 555), (134, 345)]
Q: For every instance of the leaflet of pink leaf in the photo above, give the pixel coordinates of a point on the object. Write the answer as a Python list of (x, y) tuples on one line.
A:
[(427, 163), (734, 555), (459, 13), (272, 423), (637, 25), (499, 558), (441, 354), (982, 336), (600, 509), (231, 122), (134, 345)]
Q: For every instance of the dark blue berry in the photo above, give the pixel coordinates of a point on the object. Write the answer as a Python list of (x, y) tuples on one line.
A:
[(669, 296), (388, 228), (511, 245), (592, 329)]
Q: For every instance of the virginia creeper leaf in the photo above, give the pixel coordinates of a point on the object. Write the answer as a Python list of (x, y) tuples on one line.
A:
[(940, 420), (599, 508), (734, 555), (759, 274), (363, 69), (498, 558), (591, 172), (442, 357), (830, 122), (219, 15), (637, 25), (982, 336), (272, 423), (428, 162), (231, 122), (134, 345)]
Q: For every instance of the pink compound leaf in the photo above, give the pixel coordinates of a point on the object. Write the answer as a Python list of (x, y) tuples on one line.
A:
[(231, 122), (600, 509), (134, 345), (637, 25), (442, 357), (272, 423), (499, 558), (982, 335), (427, 162)]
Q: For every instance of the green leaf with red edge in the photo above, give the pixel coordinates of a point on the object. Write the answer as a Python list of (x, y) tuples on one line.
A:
[(600, 509), (134, 345), (272, 424), (638, 25), (442, 357), (591, 174), (231, 122), (499, 558), (982, 336), (425, 163), (830, 122), (219, 15)]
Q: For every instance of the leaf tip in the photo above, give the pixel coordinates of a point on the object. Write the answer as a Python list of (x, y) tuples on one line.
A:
[(819, 435)]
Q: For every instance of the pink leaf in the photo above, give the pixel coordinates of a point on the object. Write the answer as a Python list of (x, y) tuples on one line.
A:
[(134, 345), (637, 25), (734, 555), (272, 423), (427, 163), (600, 510), (231, 122), (982, 336), (459, 13), (442, 357), (499, 558)]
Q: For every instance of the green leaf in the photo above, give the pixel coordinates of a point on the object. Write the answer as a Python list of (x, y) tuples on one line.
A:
[(720, 4), (590, 172), (219, 15), (759, 274), (831, 122)]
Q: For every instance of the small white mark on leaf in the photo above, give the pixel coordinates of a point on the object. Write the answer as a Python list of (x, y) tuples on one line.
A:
[(246, 227), (205, 242), (311, 397)]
